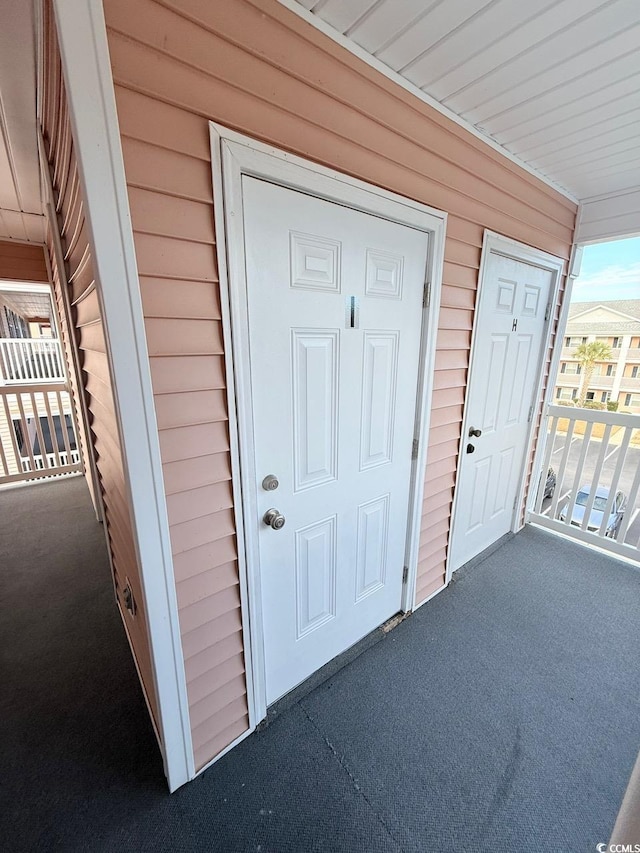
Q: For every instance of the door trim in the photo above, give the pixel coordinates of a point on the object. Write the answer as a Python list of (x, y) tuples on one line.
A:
[(234, 155), (493, 242)]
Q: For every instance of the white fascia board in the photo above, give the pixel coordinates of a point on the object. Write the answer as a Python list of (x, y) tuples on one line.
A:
[(399, 80)]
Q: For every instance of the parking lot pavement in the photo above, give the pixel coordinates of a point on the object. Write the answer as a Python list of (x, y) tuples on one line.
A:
[(627, 474)]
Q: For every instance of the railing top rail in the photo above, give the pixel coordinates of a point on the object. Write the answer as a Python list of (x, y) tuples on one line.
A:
[(30, 340), (594, 416), (28, 388)]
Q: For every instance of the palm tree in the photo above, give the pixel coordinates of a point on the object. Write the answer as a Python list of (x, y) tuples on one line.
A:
[(588, 355)]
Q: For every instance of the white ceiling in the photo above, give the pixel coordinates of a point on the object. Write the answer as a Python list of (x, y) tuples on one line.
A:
[(554, 82), (20, 205), (27, 303)]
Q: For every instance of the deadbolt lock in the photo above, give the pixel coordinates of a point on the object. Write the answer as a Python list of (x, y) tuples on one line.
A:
[(270, 483)]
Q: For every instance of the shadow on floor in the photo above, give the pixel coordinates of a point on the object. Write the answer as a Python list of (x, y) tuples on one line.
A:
[(502, 716)]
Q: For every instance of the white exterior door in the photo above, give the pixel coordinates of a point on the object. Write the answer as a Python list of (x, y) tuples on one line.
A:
[(335, 314), (510, 326)]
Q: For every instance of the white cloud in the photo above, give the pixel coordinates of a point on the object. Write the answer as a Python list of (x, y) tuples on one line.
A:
[(613, 282)]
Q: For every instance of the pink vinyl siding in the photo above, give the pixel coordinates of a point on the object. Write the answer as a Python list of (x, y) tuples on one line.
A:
[(254, 66), (86, 325)]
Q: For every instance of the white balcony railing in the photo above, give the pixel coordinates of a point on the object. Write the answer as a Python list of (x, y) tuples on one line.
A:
[(595, 456), (37, 432), (24, 360)]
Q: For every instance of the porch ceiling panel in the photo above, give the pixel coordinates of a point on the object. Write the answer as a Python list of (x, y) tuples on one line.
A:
[(556, 84), (20, 205)]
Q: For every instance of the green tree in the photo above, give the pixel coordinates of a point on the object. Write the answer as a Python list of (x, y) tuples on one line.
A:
[(588, 355)]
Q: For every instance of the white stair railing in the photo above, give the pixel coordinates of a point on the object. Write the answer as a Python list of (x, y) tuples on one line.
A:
[(595, 456), (24, 360)]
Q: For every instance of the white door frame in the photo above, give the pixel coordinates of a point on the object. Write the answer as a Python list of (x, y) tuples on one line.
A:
[(235, 155), (493, 242)]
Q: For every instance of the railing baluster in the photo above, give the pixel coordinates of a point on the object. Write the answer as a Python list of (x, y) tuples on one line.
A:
[(25, 361), (63, 425), (16, 370), (595, 480), (26, 437), (553, 511), (4, 461), (548, 450), (631, 502), (12, 431), (5, 364), (578, 474), (613, 488), (52, 429), (41, 441)]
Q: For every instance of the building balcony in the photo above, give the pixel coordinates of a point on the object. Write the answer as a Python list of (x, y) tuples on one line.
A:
[(630, 384), (568, 380), (29, 360), (596, 458), (599, 380), (633, 354), (491, 716)]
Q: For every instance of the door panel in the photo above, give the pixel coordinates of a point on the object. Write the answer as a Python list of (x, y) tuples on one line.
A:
[(510, 326), (335, 317)]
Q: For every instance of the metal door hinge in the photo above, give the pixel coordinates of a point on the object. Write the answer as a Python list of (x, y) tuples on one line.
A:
[(530, 415), (405, 574), (414, 448), (547, 312), (426, 297)]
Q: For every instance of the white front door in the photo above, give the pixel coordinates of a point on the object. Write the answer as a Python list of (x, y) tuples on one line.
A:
[(510, 325), (335, 314)]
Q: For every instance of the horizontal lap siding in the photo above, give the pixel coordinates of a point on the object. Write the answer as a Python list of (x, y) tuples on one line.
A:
[(21, 262), (170, 198), (87, 327), (255, 67)]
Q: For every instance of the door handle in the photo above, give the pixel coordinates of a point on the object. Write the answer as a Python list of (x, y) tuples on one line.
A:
[(475, 433), (470, 448), (273, 518)]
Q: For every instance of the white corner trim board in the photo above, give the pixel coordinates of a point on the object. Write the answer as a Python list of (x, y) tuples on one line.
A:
[(235, 156), (89, 85)]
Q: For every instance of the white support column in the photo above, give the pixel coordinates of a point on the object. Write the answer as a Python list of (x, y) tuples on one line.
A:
[(89, 87)]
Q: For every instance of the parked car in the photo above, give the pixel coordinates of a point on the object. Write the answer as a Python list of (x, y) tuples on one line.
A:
[(550, 485), (597, 511)]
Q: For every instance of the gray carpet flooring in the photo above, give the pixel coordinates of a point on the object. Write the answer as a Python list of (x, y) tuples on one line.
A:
[(502, 716)]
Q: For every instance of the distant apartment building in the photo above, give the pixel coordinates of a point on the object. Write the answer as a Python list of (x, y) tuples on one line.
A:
[(616, 323)]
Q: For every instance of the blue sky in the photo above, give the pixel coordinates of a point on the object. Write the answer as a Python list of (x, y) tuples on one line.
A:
[(609, 271)]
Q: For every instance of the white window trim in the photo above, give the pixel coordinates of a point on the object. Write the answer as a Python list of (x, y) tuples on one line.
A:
[(493, 242), (234, 155), (89, 87)]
